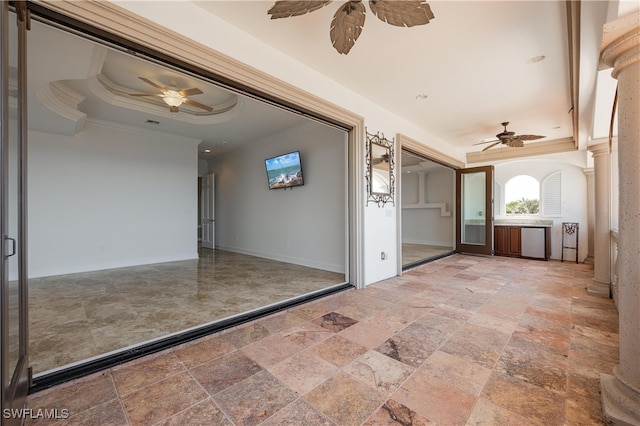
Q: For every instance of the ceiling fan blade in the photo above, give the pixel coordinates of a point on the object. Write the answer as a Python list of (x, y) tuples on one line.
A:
[(402, 13), (483, 142), (346, 26), (528, 137), (146, 94), (190, 92), (285, 9), (491, 146), (515, 143), (198, 104), (157, 86)]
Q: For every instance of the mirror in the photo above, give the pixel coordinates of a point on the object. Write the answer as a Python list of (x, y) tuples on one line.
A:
[(380, 170), (380, 162)]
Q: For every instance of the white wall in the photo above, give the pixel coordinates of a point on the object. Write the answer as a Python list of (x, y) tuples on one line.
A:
[(574, 197), (305, 225), (110, 197), (428, 226), (203, 167)]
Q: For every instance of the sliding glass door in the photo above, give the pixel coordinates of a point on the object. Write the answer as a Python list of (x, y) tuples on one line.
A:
[(13, 295)]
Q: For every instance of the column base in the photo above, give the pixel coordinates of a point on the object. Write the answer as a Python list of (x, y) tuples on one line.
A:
[(620, 403), (599, 288)]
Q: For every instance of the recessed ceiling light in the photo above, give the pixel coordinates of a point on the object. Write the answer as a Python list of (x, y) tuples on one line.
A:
[(421, 97), (536, 59), (207, 151)]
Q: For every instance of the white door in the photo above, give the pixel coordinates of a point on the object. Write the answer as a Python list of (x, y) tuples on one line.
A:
[(207, 214)]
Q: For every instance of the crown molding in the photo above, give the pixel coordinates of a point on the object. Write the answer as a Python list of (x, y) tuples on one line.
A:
[(63, 101)]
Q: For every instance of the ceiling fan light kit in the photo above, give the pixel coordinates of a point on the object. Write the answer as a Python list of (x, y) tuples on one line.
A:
[(174, 97), (347, 22)]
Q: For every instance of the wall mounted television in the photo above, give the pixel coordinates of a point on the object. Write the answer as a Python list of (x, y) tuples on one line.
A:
[(284, 171)]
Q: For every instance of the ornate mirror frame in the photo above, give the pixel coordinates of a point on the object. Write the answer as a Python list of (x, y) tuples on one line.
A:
[(380, 169)]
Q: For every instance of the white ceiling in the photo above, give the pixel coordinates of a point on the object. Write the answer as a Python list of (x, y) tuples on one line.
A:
[(66, 75), (473, 63)]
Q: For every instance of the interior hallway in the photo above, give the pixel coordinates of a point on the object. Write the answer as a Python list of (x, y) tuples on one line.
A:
[(78, 316), (462, 340)]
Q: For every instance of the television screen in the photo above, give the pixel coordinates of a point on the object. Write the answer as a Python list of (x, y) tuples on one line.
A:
[(284, 171)]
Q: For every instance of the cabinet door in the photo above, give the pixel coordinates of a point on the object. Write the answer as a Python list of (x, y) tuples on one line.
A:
[(514, 241), (501, 240)]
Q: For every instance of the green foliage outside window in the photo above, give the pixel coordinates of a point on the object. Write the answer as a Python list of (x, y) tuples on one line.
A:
[(523, 206)]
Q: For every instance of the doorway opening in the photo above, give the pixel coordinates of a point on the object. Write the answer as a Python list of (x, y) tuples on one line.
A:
[(128, 276), (428, 197)]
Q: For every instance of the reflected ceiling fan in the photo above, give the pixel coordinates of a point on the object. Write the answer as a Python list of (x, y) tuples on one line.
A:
[(348, 20), (174, 97), (509, 139), (384, 158)]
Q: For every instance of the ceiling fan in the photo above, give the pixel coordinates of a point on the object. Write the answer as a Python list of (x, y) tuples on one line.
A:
[(348, 20), (509, 139), (174, 97), (384, 158)]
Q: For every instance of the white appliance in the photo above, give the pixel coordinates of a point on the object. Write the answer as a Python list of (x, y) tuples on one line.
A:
[(533, 242)]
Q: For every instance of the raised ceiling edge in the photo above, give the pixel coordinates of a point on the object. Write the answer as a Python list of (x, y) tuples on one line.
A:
[(428, 152), (123, 23)]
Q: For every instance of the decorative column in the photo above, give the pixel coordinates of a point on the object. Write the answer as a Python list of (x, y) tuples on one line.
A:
[(601, 284), (591, 192), (621, 50)]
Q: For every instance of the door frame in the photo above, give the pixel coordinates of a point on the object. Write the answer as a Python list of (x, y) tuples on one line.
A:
[(417, 148), (487, 247), (210, 200), (15, 383)]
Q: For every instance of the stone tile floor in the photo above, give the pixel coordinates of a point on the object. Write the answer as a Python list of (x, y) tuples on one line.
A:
[(78, 316), (463, 340)]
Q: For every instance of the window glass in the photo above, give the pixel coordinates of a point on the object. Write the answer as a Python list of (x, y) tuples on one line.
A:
[(522, 196)]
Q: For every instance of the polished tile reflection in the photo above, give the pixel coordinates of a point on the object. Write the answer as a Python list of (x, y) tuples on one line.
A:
[(78, 316), (463, 340), (413, 253)]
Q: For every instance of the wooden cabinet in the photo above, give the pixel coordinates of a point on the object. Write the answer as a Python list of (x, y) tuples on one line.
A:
[(507, 241)]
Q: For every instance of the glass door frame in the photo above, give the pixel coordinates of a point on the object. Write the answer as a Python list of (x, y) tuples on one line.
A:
[(487, 247), (15, 380)]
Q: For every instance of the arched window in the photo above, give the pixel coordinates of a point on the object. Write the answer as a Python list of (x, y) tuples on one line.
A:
[(522, 196)]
